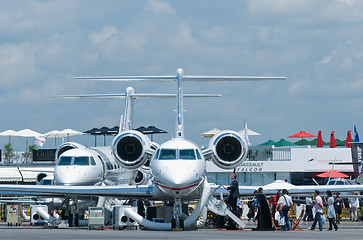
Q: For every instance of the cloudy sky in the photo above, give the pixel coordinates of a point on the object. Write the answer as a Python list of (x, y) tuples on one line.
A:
[(317, 45)]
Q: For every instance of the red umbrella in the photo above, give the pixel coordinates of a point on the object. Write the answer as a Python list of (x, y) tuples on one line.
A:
[(333, 144), (302, 135), (334, 174), (349, 139), (319, 142)]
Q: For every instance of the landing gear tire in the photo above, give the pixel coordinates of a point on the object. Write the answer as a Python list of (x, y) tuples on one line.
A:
[(181, 224)]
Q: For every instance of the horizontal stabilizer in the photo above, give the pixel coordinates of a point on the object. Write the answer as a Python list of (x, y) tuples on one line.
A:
[(136, 95), (174, 78)]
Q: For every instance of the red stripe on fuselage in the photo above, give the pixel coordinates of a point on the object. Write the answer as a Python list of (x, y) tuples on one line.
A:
[(176, 189)]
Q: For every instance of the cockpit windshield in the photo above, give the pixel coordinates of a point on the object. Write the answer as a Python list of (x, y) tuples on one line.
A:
[(173, 154), (187, 154), (64, 161), (79, 161), (167, 154), (82, 161)]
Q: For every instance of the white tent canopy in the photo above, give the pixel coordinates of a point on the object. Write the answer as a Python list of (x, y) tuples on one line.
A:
[(70, 132), (28, 133), (279, 184), (249, 132), (8, 133), (52, 134), (210, 133)]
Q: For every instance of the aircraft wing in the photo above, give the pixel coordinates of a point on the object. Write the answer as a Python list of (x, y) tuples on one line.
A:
[(247, 191), (77, 191)]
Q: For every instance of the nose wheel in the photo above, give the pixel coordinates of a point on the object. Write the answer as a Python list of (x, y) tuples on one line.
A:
[(177, 223)]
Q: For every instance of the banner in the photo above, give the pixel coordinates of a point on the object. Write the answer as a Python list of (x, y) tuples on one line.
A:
[(39, 141), (357, 157)]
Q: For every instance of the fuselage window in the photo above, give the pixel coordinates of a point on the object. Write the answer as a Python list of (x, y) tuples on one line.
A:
[(93, 162), (187, 154), (198, 154), (167, 154), (64, 161), (82, 161)]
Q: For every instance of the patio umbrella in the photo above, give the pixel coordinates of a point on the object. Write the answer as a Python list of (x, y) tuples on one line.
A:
[(279, 185), (319, 142), (70, 132), (284, 143), (95, 132), (334, 174), (268, 143), (150, 130), (339, 142), (210, 133), (349, 139), (8, 133), (302, 135), (53, 134), (27, 133), (302, 142), (332, 144), (249, 132), (107, 131)]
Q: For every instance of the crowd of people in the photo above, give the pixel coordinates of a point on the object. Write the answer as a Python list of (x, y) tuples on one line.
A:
[(281, 205)]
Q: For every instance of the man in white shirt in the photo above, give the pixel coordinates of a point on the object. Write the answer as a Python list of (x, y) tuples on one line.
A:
[(283, 205), (318, 204), (354, 206)]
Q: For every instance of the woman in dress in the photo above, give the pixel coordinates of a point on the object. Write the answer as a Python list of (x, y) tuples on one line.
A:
[(331, 211)]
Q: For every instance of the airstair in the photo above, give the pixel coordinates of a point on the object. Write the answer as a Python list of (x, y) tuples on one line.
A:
[(220, 208)]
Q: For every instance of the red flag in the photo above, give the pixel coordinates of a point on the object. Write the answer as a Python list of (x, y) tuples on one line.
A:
[(319, 142), (333, 144), (349, 139)]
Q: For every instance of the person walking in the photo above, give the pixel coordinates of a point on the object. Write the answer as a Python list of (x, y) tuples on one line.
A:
[(308, 216), (354, 206), (339, 205), (331, 211), (284, 204), (318, 204)]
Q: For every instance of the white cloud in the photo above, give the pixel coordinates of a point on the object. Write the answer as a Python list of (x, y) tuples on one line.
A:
[(158, 6)]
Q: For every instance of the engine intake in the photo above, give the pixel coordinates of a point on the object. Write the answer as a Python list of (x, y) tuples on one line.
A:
[(229, 149), (129, 149), (67, 146)]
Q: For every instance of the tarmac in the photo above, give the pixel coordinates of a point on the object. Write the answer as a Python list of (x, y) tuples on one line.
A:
[(347, 230)]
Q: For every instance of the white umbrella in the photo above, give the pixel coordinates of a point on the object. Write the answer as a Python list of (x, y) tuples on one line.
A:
[(210, 133), (249, 132), (53, 134), (8, 133), (70, 132), (27, 133), (279, 185)]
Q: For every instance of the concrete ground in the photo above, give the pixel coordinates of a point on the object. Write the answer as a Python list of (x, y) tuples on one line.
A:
[(347, 230)]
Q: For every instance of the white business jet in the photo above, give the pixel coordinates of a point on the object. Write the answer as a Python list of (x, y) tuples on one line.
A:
[(178, 166), (80, 166)]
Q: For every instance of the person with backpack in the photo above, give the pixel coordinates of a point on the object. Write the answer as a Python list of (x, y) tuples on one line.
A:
[(284, 204)]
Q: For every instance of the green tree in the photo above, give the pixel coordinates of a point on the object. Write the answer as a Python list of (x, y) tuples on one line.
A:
[(8, 151)]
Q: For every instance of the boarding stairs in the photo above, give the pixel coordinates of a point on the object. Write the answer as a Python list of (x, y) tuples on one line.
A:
[(218, 207)]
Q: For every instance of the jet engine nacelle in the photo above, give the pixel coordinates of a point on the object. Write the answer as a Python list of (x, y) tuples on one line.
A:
[(67, 146), (229, 149), (129, 149)]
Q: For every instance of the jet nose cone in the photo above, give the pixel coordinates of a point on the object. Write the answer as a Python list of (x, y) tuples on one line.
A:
[(179, 177), (72, 176)]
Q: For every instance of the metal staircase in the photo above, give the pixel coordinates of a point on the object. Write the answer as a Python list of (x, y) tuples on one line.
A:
[(220, 208)]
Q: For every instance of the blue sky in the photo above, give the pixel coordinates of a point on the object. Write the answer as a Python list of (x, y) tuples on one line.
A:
[(317, 45)]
